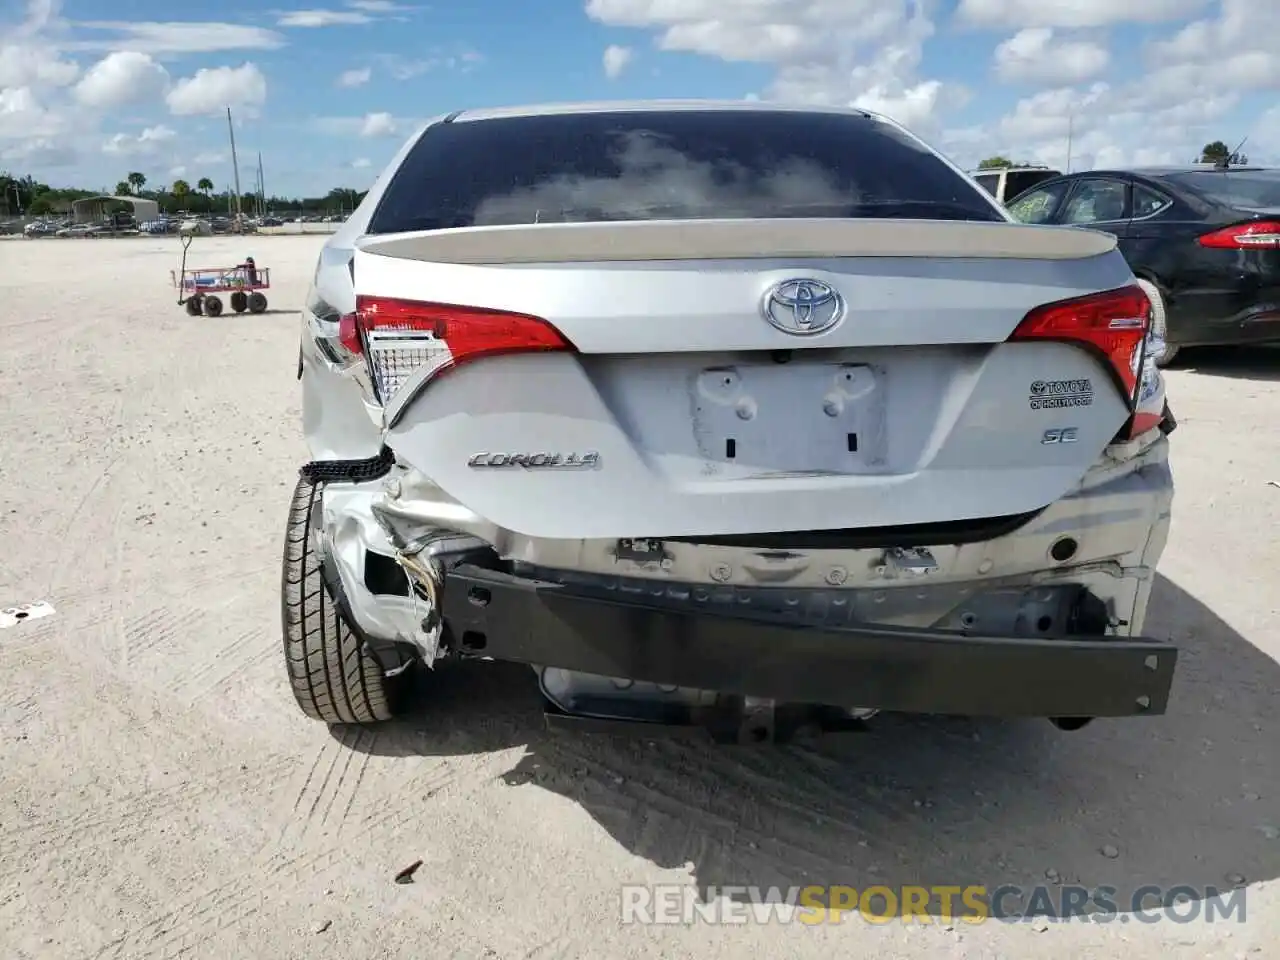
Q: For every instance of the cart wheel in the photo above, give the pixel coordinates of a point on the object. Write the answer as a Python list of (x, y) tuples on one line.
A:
[(193, 306), (257, 302), (212, 306), (239, 302)]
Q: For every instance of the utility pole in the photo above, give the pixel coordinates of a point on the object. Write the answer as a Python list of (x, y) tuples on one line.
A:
[(1071, 123), (234, 162)]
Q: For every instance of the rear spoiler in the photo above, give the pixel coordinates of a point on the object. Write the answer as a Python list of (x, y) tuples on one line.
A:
[(740, 240)]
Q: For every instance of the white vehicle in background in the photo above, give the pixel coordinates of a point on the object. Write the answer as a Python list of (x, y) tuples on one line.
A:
[(724, 414), (1006, 183)]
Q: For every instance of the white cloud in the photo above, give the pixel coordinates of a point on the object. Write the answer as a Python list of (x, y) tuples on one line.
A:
[(120, 78), (863, 52), (378, 6), (354, 78), (172, 38), (1034, 55), (21, 66), (40, 153), (1265, 136), (361, 163), (378, 125), (1238, 49), (357, 12), (405, 68), (145, 142), (40, 14), (212, 90), (24, 117), (322, 18), (1005, 14), (616, 59), (1196, 76)]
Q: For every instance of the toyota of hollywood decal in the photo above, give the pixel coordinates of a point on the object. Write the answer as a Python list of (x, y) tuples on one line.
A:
[(1057, 394)]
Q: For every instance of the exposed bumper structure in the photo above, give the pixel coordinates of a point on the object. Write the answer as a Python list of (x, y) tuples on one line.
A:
[(493, 614)]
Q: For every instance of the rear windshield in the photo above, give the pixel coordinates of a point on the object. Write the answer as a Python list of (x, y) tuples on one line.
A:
[(1246, 189), (669, 165), (1020, 181), (989, 182)]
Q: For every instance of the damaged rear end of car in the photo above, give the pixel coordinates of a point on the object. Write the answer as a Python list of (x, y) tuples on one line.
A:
[(748, 462)]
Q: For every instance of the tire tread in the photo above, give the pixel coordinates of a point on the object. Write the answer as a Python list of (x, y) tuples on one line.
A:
[(332, 677)]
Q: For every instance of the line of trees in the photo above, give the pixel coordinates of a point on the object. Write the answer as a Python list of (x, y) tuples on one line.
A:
[(1214, 152), (1218, 151), (23, 195)]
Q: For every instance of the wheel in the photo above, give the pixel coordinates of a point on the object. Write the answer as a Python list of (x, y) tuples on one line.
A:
[(1164, 351), (333, 678), (257, 302), (212, 306), (193, 306), (239, 302)]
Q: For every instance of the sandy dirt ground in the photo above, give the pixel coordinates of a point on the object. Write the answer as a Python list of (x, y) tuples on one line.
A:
[(161, 795)]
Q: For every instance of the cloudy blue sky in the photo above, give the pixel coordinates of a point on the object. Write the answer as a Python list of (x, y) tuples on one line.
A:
[(328, 89)]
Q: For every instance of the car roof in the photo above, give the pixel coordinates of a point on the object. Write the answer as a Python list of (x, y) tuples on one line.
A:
[(1156, 172), (615, 106)]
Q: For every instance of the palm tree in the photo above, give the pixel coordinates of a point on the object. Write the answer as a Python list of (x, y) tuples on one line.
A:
[(137, 181), (180, 190), (205, 186)]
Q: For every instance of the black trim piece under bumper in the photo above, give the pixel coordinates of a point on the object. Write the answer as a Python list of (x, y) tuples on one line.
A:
[(493, 614), (349, 471)]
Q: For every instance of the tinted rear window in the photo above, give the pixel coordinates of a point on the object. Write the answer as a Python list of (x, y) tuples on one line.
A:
[(1234, 188), (1022, 180), (676, 165)]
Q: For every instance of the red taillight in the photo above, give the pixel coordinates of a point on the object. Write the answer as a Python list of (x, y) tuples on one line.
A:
[(1112, 324), (401, 337), (1254, 235), (348, 334)]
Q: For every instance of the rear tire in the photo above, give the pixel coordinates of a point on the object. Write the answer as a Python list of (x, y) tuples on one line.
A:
[(333, 678), (1159, 322), (257, 302), (193, 307)]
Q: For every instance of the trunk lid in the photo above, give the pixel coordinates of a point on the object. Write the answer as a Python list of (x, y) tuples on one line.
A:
[(696, 405)]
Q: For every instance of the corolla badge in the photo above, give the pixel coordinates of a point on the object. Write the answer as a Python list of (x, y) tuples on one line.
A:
[(803, 307)]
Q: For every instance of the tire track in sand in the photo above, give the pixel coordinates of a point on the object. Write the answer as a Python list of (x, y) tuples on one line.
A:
[(249, 649), (126, 817), (187, 925), (330, 784)]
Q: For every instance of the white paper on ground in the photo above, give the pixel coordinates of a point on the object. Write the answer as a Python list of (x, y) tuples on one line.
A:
[(12, 616)]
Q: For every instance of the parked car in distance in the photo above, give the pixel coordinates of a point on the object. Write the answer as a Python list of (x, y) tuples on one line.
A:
[(1204, 243), (823, 428), (1005, 183)]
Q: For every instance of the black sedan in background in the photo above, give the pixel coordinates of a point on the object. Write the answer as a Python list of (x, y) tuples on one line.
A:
[(1204, 242)]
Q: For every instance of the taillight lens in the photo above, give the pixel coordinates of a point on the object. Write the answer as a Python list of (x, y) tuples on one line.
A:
[(403, 338), (349, 334), (1254, 235), (1112, 325)]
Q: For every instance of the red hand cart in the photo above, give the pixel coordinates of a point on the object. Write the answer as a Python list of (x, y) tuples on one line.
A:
[(198, 289)]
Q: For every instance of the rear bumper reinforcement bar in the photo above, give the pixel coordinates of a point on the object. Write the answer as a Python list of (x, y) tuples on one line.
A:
[(494, 614)]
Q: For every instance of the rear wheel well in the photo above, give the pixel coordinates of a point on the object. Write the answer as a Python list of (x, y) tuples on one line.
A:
[(1145, 273)]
